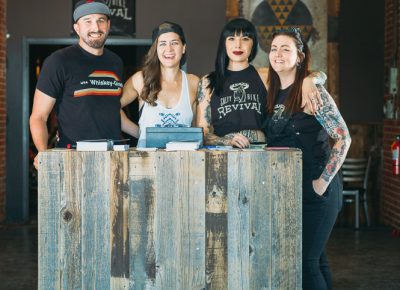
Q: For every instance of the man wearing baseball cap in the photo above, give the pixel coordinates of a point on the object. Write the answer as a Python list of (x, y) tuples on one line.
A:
[(83, 82)]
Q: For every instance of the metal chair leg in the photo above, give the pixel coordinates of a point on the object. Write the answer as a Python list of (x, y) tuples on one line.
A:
[(357, 210), (366, 211)]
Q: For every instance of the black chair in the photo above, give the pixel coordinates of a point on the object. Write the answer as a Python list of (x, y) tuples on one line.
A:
[(355, 185)]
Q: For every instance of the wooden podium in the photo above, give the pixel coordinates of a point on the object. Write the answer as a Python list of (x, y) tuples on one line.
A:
[(170, 220)]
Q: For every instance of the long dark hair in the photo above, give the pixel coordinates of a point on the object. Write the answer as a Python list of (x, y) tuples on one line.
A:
[(151, 66), (234, 27), (293, 101)]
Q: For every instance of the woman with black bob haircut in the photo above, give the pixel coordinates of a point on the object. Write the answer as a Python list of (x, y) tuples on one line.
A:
[(288, 124), (232, 99), (247, 29)]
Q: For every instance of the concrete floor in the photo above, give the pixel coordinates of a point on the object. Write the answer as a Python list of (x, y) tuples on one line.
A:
[(364, 259)]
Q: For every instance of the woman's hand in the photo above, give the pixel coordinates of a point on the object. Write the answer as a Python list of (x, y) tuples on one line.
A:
[(311, 97), (240, 141), (319, 186)]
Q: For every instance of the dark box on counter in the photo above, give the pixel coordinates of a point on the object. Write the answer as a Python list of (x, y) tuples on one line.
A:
[(159, 136)]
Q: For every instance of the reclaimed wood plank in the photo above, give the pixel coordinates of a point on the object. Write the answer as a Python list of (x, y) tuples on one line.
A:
[(193, 233), (284, 267), (49, 187), (239, 194), (70, 226), (296, 221), (119, 206), (95, 186), (216, 220), (260, 273), (141, 219), (178, 241)]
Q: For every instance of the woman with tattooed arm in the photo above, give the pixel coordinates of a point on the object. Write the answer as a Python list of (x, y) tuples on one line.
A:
[(232, 99), (288, 124)]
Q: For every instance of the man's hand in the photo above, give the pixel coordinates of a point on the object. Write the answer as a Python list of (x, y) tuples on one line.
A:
[(36, 162)]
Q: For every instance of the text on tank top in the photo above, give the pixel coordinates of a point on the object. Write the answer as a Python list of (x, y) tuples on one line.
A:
[(242, 103)]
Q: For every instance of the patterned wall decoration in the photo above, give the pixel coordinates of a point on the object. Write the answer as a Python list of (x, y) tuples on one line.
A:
[(269, 15)]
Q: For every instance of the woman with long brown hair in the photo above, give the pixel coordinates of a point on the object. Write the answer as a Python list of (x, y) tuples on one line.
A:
[(166, 93), (288, 124)]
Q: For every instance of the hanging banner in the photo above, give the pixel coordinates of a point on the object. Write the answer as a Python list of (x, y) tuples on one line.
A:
[(122, 16)]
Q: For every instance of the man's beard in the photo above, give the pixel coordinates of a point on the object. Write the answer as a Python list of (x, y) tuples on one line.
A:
[(95, 43)]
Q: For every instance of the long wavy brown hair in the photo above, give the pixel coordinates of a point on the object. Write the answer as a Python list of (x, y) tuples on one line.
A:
[(293, 101), (151, 76)]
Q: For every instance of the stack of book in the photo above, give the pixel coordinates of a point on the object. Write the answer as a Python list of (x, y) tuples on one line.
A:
[(102, 145), (182, 145)]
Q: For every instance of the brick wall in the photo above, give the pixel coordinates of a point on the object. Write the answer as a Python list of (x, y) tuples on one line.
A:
[(390, 199), (390, 196), (2, 108)]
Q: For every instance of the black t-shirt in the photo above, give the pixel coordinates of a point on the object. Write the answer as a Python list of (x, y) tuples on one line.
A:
[(303, 131), (87, 89), (242, 103)]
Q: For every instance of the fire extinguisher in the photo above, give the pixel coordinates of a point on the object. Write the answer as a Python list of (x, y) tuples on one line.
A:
[(396, 156)]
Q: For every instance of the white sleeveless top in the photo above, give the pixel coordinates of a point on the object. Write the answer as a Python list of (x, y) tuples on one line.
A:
[(159, 116)]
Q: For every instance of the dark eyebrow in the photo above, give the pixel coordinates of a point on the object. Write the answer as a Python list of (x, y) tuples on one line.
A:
[(284, 45), (175, 39), (89, 18)]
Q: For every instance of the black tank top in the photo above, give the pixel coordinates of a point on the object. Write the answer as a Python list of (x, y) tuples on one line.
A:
[(242, 103)]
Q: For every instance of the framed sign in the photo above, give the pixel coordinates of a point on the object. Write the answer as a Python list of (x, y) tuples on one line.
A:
[(122, 16)]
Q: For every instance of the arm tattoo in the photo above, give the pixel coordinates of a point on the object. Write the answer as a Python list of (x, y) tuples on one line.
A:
[(319, 78), (329, 117), (253, 135), (213, 139), (207, 114), (200, 91)]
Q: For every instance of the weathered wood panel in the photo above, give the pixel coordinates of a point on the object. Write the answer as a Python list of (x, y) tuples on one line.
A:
[(70, 223), (95, 213), (119, 213), (238, 193), (216, 220), (51, 185), (170, 220), (141, 219), (179, 220), (285, 221), (260, 272), (83, 220)]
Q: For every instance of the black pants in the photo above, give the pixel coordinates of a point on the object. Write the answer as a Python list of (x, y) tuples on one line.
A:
[(319, 217)]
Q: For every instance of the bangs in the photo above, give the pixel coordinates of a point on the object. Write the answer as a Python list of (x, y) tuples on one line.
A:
[(240, 27), (237, 32)]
